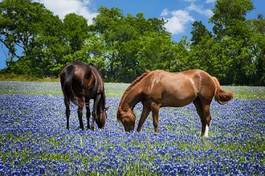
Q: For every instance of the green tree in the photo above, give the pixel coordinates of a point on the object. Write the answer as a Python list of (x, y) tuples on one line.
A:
[(29, 27), (123, 47), (229, 17), (258, 39), (198, 32), (125, 37), (94, 51), (76, 30), (233, 34)]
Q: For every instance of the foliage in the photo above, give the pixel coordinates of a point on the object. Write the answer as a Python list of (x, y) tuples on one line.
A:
[(133, 42), (234, 52), (198, 32), (124, 46), (33, 36), (76, 31), (229, 17)]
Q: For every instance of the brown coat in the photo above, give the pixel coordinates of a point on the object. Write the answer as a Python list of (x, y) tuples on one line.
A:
[(160, 88)]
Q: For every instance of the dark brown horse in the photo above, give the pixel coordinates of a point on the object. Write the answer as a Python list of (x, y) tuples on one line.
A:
[(80, 83), (159, 88)]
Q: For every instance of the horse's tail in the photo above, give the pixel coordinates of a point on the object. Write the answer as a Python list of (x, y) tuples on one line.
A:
[(66, 83), (221, 96)]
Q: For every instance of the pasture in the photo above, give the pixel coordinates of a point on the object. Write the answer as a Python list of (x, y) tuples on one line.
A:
[(34, 139)]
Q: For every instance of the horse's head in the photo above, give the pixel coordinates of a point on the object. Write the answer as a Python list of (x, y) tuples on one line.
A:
[(127, 118), (102, 116)]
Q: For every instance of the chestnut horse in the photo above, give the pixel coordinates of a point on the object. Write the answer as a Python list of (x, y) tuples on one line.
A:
[(81, 82), (155, 89)]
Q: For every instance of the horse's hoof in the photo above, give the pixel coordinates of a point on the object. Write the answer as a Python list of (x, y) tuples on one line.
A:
[(80, 128), (203, 136), (156, 131), (92, 128)]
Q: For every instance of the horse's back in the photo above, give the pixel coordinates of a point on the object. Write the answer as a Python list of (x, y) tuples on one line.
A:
[(201, 82), (75, 70), (175, 89), (205, 83), (85, 79), (159, 79)]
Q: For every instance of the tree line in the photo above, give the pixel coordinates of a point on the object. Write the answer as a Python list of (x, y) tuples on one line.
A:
[(124, 46)]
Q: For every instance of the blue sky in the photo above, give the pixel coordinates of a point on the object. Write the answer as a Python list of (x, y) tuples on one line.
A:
[(179, 13)]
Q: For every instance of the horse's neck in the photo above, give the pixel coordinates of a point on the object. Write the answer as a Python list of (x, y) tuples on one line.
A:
[(131, 98)]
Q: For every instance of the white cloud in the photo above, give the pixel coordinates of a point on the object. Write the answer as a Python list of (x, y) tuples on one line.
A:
[(64, 7), (176, 20), (200, 10), (165, 13)]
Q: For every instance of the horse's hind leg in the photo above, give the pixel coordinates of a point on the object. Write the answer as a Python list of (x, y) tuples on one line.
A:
[(80, 112), (88, 113), (198, 105), (207, 118), (203, 109), (67, 111)]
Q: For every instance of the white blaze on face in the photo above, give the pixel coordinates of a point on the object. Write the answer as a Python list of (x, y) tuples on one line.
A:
[(206, 131)]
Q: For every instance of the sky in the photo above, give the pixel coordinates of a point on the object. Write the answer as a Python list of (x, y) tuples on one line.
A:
[(179, 14)]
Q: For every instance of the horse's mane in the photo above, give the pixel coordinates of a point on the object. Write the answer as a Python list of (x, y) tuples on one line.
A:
[(139, 78), (99, 77)]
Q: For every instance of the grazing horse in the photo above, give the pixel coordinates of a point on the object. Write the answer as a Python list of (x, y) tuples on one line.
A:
[(155, 89), (81, 82)]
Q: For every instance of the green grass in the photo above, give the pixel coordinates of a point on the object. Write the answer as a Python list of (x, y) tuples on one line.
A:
[(115, 89), (52, 88), (129, 170), (112, 89), (247, 92), (18, 77), (55, 157)]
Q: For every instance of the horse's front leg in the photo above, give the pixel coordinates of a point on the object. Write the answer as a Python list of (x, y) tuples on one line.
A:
[(145, 113), (94, 112), (81, 103), (88, 112), (155, 113)]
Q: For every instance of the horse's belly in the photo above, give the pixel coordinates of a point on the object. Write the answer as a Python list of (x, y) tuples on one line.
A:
[(178, 98), (177, 102), (174, 90)]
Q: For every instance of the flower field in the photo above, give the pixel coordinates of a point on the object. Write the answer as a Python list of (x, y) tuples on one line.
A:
[(34, 139)]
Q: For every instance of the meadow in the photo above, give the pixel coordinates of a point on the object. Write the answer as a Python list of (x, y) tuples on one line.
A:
[(34, 139)]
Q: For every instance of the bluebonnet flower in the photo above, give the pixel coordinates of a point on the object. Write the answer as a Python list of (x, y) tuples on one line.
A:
[(34, 140)]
